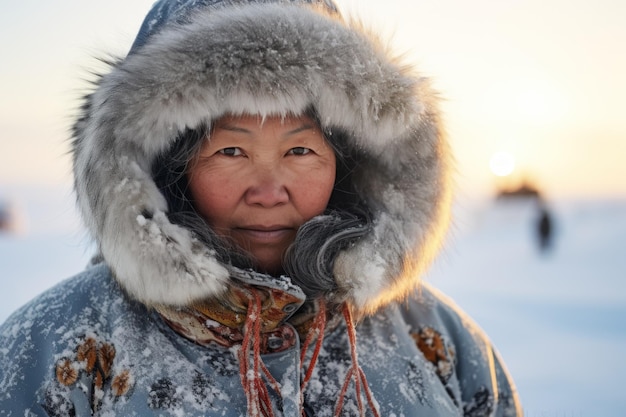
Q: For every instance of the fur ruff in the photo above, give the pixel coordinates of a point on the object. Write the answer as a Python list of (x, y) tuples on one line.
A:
[(261, 59)]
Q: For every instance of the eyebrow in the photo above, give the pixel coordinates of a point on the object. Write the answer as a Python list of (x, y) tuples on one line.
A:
[(305, 126), (234, 128)]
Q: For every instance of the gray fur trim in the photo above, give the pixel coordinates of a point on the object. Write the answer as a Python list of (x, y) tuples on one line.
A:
[(265, 59)]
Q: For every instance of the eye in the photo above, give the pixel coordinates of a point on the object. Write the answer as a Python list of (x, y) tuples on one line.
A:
[(230, 151), (299, 150)]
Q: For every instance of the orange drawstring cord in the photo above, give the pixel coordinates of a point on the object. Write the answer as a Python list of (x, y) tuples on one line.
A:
[(316, 330), (355, 372), (257, 395), (251, 366)]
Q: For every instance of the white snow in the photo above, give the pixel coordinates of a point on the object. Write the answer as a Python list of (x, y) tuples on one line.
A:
[(557, 319)]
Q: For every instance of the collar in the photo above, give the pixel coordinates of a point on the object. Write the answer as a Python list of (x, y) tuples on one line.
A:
[(284, 311)]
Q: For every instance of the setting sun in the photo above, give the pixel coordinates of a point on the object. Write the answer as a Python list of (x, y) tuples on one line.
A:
[(502, 164)]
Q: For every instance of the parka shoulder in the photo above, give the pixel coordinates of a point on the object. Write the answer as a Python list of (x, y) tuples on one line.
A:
[(462, 354)]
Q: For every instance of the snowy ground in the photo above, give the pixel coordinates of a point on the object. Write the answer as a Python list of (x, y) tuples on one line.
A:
[(558, 319)]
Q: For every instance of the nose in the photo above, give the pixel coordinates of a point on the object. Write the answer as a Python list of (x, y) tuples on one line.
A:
[(268, 189)]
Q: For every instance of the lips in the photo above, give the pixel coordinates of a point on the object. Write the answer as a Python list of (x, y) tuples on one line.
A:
[(266, 244), (268, 234)]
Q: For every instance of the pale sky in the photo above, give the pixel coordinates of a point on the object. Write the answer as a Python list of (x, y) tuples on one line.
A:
[(540, 79)]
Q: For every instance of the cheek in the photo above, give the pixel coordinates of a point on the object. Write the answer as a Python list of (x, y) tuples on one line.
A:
[(213, 197), (314, 193)]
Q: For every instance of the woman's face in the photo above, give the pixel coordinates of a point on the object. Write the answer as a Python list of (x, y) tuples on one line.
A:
[(257, 181)]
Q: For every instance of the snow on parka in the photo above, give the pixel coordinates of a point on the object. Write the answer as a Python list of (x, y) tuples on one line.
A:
[(165, 322)]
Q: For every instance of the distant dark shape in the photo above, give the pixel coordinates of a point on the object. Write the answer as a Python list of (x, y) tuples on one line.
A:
[(9, 218), (543, 224), (525, 191), (5, 217), (544, 229)]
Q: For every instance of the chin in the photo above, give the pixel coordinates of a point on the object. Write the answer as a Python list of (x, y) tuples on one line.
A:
[(270, 267)]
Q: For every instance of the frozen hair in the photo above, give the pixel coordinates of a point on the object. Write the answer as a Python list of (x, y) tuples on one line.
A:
[(309, 260)]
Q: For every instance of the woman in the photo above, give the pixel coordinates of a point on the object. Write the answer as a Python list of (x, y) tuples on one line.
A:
[(265, 183)]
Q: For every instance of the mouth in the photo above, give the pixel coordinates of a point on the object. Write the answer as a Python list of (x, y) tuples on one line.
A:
[(267, 234), (266, 244)]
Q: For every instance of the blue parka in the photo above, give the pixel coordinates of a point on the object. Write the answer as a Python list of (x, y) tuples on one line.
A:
[(84, 348)]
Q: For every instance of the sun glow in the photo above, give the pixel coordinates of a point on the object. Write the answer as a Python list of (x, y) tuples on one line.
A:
[(502, 164)]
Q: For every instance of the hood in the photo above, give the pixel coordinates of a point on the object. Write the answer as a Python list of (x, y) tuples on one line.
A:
[(195, 61)]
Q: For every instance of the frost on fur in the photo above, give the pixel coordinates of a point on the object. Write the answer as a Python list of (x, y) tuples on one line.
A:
[(259, 59)]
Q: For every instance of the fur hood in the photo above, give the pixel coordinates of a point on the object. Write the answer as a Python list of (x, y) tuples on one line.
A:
[(267, 57)]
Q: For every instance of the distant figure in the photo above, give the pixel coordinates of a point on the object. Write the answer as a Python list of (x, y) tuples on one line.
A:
[(544, 229), (4, 217)]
